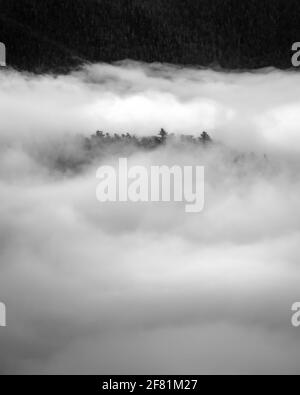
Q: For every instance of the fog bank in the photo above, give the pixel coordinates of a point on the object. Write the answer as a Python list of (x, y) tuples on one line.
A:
[(146, 288)]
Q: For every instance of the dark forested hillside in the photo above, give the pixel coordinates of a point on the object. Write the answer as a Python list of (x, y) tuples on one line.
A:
[(56, 34)]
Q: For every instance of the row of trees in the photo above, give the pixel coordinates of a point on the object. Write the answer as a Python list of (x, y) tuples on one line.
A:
[(101, 139), (74, 153)]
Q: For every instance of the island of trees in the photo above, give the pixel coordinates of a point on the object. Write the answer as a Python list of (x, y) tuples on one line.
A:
[(101, 139)]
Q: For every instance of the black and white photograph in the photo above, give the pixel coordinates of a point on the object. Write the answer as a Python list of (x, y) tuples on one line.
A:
[(149, 189)]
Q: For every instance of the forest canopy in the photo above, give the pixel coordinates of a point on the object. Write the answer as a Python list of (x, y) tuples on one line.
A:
[(233, 34)]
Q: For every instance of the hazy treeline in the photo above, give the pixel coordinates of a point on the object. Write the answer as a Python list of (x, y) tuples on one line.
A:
[(57, 34), (150, 142), (74, 153)]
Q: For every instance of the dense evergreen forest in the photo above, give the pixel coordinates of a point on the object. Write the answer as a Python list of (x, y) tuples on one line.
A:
[(44, 35), (72, 154), (105, 140)]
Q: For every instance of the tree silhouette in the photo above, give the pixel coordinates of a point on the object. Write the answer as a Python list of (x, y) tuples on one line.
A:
[(205, 138), (163, 135), (101, 140)]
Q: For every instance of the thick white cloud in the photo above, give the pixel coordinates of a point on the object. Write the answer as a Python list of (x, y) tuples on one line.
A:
[(130, 288), (259, 108)]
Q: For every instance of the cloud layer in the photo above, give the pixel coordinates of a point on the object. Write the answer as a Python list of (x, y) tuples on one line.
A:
[(259, 108), (147, 288)]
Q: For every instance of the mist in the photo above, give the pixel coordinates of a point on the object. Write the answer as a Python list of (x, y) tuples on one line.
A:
[(123, 288)]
